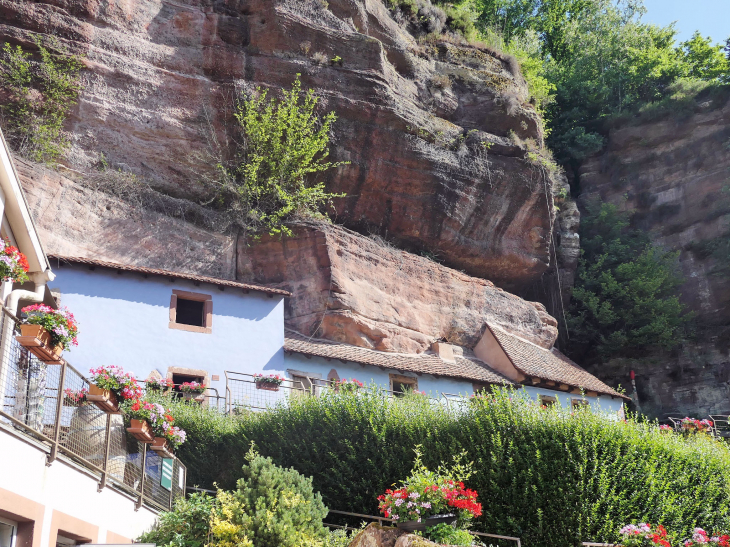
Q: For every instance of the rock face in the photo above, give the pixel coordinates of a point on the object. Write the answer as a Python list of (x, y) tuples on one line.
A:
[(375, 535), (674, 174), (361, 291), (75, 221), (347, 287), (436, 133)]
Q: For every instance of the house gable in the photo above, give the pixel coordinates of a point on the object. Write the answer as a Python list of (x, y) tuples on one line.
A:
[(489, 350)]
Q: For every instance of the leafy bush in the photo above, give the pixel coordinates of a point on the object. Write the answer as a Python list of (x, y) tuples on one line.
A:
[(283, 145), (187, 525), (547, 476), (271, 507), (41, 93), (445, 534)]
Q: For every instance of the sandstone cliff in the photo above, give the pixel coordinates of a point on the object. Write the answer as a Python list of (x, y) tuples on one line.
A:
[(672, 173), (413, 114)]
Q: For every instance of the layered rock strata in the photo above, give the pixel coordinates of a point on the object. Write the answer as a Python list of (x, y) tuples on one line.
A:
[(362, 291), (347, 287), (436, 133)]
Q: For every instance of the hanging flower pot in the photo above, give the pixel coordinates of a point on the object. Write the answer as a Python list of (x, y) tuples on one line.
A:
[(160, 446), (13, 264), (141, 430), (269, 383), (38, 341), (58, 330), (105, 399)]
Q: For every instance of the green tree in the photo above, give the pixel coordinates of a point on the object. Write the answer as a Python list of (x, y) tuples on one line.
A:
[(625, 297), (703, 59), (283, 146), (41, 92)]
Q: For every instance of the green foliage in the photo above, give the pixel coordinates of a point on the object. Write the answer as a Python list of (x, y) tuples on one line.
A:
[(625, 297), (41, 93), (703, 60), (548, 476), (187, 525), (587, 61), (271, 507), (284, 144), (445, 534), (278, 506)]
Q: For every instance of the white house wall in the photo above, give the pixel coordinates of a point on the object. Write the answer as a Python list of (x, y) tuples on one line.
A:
[(63, 487), (124, 320), (431, 385)]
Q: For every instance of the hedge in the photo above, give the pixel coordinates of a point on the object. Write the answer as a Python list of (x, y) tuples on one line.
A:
[(550, 477)]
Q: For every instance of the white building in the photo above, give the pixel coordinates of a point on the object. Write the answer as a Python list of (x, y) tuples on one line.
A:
[(499, 359)]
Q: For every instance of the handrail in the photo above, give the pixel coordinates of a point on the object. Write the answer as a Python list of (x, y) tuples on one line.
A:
[(35, 403)]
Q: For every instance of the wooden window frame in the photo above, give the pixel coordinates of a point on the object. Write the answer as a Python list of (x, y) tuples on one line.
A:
[(411, 380), (207, 299), (579, 403), (547, 400)]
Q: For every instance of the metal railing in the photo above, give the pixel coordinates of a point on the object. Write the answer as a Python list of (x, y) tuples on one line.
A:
[(380, 520), (242, 392), (39, 400)]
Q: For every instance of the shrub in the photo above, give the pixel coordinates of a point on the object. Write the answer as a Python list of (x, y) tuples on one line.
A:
[(41, 93), (272, 507), (278, 506), (445, 534), (187, 525), (283, 145), (547, 476)]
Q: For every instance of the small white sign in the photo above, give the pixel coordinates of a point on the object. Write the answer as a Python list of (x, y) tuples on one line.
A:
[(181, 479)]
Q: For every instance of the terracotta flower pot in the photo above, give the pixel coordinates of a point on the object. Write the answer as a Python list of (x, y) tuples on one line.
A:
[(104, 399), (141, 430), (38, 341), (159, 445), (268, 386)]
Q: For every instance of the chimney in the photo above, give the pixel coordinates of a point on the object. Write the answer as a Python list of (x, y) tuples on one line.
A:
[(444, 350)]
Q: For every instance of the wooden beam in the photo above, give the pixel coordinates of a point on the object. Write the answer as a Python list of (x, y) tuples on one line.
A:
[(535, 381), (591, 394), (550, 383), (564, 387)]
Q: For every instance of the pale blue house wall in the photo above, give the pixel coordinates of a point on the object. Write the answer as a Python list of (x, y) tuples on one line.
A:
[(367, 374), (123, 320), (431, 385)]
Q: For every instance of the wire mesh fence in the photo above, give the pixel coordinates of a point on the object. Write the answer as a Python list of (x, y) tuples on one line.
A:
[(48, 402), (242, 392)]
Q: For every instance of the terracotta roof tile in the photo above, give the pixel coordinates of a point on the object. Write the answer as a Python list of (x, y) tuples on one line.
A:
[(166, 273), (537, 362), (466, 367)]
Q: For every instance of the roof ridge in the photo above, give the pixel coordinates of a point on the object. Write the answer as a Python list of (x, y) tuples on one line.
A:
[(169, 273), (520, 338)]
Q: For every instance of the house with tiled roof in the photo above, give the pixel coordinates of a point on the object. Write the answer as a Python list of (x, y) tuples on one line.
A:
[(499, 359)]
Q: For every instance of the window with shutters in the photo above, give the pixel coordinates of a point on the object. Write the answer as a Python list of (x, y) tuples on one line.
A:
[(191, 311)]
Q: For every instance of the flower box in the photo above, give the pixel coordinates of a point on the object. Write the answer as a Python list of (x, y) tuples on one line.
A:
[(37, 339), (104, 399), (415, 526), (268, 386), (159, 445), (141, 430)]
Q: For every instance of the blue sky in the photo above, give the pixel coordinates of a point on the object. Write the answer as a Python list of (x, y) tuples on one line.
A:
[(710, 17)]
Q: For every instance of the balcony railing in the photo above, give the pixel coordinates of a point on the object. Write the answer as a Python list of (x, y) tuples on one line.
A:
[(35, 401)]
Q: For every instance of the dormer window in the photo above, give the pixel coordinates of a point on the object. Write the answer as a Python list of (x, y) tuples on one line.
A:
[(191, 311)]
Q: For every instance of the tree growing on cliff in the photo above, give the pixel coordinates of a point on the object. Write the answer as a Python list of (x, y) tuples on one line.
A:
[(625, 297), (282, 146), (39, 94)]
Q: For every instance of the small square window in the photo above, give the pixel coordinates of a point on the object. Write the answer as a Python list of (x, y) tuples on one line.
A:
[(191, 311), (579, 403), (399, 385), (547, 400)]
